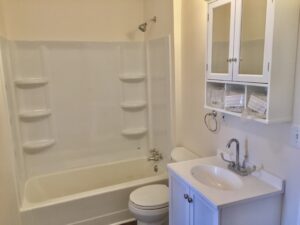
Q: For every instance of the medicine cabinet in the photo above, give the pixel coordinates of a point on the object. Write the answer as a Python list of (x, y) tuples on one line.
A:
[(251, 56)]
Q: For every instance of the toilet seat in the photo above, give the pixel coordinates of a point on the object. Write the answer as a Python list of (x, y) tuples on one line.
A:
[(150, 197)]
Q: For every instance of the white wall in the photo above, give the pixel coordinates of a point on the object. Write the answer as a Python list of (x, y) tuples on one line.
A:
[(68, 20), (162, 9), (268, 144), (194, 135)]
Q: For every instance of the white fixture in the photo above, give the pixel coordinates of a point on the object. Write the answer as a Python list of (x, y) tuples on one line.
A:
[(134, 131), (216, 177), (250, 55), (132, 77), (37, 146), (149, 204), (205, 192), (34, 114), (133, 104), (179, 154), (30, 82)]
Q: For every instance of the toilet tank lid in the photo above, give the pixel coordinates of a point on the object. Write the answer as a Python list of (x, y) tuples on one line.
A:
[(182, 154)]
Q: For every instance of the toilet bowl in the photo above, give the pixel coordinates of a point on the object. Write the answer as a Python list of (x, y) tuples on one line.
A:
[(150, 204)]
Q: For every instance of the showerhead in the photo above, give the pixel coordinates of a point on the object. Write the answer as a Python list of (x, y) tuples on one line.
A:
[(143, 27)]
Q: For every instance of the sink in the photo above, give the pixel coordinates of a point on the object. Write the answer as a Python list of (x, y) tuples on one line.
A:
[(216, 177)]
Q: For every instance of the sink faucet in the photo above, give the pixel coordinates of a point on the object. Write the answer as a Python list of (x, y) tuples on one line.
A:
[(155, 155), (237, 153), (236, 166)]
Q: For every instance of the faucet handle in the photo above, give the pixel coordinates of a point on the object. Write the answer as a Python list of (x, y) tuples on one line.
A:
[(223, 158), (153, 150)]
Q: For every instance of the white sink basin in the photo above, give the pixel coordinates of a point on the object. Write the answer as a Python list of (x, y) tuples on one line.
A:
[(216, 177)]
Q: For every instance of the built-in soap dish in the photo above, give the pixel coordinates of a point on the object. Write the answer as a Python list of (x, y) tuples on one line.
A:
[(132, 77), (34, 114), (37, 146), (30, 82), (133, 105), (134, 132)]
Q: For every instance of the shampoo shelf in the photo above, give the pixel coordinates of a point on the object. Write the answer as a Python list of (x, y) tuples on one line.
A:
[(30, 82), (37, 146), (133, 105), (132, 77), (131, 132), (35, 114)]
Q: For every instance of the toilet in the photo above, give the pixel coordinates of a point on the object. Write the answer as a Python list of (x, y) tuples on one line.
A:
[(150, 204)]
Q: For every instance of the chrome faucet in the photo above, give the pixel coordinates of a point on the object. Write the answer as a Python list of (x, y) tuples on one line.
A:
[(155, 155), (236, 166)]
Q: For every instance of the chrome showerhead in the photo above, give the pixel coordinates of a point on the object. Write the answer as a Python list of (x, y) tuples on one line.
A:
[(143, 27)]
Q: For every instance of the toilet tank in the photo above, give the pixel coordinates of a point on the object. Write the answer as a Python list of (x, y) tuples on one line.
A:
[(179, 154)]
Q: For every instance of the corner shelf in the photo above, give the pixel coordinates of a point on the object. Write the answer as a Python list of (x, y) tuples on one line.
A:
[(131, 132), (37, 146), (132, 77), (30, 82), (133, 105), (35, 114)]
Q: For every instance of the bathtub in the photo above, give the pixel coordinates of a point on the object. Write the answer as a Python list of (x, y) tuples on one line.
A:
[(96, 195)]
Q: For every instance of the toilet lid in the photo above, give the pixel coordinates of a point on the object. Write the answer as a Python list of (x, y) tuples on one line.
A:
[(151, 196)]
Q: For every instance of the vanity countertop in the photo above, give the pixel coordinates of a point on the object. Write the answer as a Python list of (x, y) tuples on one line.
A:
[(259, 184)]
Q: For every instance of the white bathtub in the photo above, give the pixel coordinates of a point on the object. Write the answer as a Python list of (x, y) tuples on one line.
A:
[(95, 195)]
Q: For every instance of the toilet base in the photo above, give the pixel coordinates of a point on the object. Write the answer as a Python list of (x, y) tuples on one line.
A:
[(165, 222)]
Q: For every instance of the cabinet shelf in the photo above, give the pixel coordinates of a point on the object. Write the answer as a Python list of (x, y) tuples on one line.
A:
[(37, 146), (35, 114), (133, 105), (265, 121), (131, 132), (132, 77), (30, 82)]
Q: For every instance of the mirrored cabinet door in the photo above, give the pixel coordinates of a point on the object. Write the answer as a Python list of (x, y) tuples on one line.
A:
[(220, 39), (251, 58)]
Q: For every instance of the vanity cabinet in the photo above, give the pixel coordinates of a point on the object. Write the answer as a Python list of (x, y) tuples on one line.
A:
[(251, 44), (187, 206)]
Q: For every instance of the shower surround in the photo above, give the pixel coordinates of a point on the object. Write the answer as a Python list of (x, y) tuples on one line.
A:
[(79, 104)]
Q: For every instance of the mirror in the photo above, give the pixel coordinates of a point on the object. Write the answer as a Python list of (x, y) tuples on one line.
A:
[(220, 38), (252, 36)]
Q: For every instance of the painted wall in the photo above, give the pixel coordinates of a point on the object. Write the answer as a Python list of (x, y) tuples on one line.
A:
[(268, 144), (194, 134), (162, 9), (68, 20)]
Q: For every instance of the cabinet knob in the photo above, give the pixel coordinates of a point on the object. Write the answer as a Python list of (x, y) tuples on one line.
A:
[(229, 60), (186, 196), (190, 200)]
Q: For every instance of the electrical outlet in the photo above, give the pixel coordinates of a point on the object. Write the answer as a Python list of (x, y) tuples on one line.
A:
[(295, 136)]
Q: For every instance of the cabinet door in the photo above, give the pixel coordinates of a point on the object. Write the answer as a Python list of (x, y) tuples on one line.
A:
[(253, 40), (201, 213), (178, 204), (220, 39)]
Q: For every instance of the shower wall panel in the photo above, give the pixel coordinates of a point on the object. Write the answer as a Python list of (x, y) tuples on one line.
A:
[(78, 103), (159, 73)]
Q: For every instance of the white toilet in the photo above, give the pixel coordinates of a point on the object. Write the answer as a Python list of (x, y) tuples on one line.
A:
[(150, 204)]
